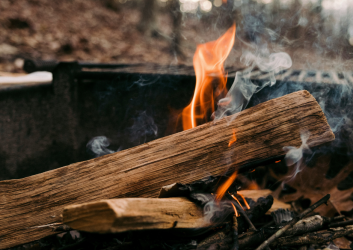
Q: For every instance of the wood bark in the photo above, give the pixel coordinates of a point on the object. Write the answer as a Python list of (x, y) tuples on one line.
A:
[(121, 215), (262, 132)]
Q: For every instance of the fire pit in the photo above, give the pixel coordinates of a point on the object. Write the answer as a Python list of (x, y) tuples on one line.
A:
[(246, 129)]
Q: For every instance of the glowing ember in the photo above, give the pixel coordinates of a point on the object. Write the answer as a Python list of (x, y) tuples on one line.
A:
[(245, 202), (237, 201), (235, 210), (278, 161), (208, 64), (234, 139)]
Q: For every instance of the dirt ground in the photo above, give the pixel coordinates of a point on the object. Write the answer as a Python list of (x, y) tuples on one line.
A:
[(87, 30)]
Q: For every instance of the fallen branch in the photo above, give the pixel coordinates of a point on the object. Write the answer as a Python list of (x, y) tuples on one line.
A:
[(342, 223)]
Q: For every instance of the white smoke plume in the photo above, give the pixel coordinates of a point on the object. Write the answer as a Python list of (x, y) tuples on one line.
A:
[(243, 88), (143, 127), (98, 146), (294, 156), (142, 130)]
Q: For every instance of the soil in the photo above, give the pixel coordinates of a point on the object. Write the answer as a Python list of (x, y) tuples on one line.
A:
[(88, 30)]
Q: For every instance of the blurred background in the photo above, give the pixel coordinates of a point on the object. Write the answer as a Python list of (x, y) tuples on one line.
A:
[(318, 34)]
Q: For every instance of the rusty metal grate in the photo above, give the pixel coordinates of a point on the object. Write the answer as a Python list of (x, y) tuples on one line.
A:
[(306, 76)]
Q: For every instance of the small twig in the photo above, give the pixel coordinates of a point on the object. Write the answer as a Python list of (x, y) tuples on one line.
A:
[(242, 212), (272, 222), (278, 234), (341, 223), (306, 225), (235, 233), (314, 238), (340, 217)]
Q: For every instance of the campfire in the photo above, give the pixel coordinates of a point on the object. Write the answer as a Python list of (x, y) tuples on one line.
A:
[(193, 189)]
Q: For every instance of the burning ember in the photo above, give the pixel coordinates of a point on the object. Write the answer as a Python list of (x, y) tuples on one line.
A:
[(234, 139)]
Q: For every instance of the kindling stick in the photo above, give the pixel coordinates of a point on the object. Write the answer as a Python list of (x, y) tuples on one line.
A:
[(278, 234)]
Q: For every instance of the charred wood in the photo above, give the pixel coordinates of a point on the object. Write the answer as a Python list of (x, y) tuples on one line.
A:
[(235, 245), (256, 211)]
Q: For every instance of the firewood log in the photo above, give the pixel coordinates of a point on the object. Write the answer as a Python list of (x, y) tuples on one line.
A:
[(262, 132), (120, 215)]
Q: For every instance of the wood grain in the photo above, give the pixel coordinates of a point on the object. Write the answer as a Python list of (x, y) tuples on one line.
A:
[(262, 131), (121, 215), (125, 214)]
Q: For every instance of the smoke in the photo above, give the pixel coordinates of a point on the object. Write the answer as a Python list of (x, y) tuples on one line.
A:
[(214, 211), (141, 82), (243, 88), (142, 130), (98, 146), (294, 156)]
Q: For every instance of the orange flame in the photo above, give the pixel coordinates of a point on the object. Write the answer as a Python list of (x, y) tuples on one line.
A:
[(224, 187), (208, 64), (234, 139), (245, 202)]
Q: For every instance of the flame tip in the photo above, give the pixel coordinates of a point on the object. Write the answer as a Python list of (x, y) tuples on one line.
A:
[(208, 64)]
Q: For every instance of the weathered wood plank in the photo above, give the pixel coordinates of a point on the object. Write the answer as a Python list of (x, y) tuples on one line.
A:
[(262, 131)]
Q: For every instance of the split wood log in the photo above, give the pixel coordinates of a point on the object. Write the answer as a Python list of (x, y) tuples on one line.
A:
[(262, 132), (121, 215)]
